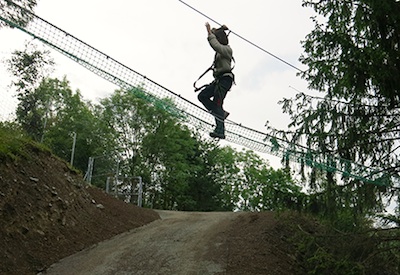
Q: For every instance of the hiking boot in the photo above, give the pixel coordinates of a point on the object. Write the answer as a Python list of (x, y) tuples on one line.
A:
[(217, 135), (226, 114)]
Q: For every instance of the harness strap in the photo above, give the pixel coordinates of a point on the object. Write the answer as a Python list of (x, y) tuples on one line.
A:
[(203, 74), (209, 69)]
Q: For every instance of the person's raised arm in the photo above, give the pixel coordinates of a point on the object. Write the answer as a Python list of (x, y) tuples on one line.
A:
[(208, 28)]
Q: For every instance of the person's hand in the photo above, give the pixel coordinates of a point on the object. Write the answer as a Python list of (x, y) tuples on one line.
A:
[(208, 28)]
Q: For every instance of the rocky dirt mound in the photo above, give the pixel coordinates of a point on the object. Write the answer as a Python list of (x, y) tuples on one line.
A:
[(47, 213), (256, 243)]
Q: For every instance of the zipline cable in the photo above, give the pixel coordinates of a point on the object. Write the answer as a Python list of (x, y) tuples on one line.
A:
[(241, 37)]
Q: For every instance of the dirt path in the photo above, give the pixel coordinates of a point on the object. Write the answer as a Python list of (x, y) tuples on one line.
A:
[(179, 243)]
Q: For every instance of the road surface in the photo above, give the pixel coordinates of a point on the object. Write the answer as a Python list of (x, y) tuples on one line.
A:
[(178, 243)]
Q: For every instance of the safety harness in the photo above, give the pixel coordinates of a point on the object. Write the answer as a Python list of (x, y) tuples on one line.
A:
[(210, 69)]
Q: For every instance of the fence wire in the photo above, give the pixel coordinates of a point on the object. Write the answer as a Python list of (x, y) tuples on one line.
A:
[(197, 117)]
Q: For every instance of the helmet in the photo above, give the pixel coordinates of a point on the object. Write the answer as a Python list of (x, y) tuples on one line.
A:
[(221, 35)]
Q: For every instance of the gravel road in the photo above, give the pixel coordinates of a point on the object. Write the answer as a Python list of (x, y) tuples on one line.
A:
[(179, 243)]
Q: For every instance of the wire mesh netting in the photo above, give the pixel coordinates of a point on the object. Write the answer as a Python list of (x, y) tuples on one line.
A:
[(197, 117)]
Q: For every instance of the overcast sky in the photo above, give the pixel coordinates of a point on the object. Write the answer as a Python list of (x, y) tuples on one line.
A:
[(166, 41)]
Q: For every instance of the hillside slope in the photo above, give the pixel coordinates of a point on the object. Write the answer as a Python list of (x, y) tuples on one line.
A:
[(47, 213)]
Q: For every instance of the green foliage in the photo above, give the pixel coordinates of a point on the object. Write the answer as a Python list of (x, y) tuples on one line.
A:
[(66, 114), (29, 67), (250, 184), (323, 262), (170, 149), (132, 133), (179, 169), (11, 142), (14, 143), (149, 141), (355, 53), (13, 13), (57, 114), (207, 189), (353, 58), (324, 249)]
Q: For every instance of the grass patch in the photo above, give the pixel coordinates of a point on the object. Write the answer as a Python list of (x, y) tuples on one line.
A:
[(14, 143)]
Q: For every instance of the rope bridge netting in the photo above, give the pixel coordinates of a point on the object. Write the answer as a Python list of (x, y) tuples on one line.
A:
[(128, 79)]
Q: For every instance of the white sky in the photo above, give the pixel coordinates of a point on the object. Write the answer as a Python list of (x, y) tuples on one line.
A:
[(166, 41)]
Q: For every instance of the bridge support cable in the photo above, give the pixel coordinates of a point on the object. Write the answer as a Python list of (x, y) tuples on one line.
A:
[(241, 37), (194, 115)]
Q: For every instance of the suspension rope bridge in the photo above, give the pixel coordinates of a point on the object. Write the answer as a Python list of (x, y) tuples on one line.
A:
[(128, 79)]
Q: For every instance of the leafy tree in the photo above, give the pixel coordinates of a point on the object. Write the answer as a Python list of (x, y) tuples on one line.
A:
[(353, 57), (259, 187), (14, 13), (148, 141), (29, 67), (67, 114), (121, 129), (180, 171), (209, 187), (225, 172), (355, 53), (170, 149)]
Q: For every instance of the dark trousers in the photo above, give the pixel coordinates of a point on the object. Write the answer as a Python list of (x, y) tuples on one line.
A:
[(217, 90)]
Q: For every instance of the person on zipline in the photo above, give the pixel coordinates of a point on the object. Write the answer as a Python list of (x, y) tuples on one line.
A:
[(223, 79)]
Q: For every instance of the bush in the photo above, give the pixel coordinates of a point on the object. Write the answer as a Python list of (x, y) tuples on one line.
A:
[(323, 249)]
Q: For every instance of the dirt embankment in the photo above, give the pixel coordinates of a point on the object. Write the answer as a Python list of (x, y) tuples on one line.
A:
[(189, 243), (47, 213)]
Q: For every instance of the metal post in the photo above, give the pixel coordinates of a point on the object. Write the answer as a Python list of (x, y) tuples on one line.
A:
[(140, 196), (108, 185), (88, 175), (73, 148), (45, 121), (116, 180)]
